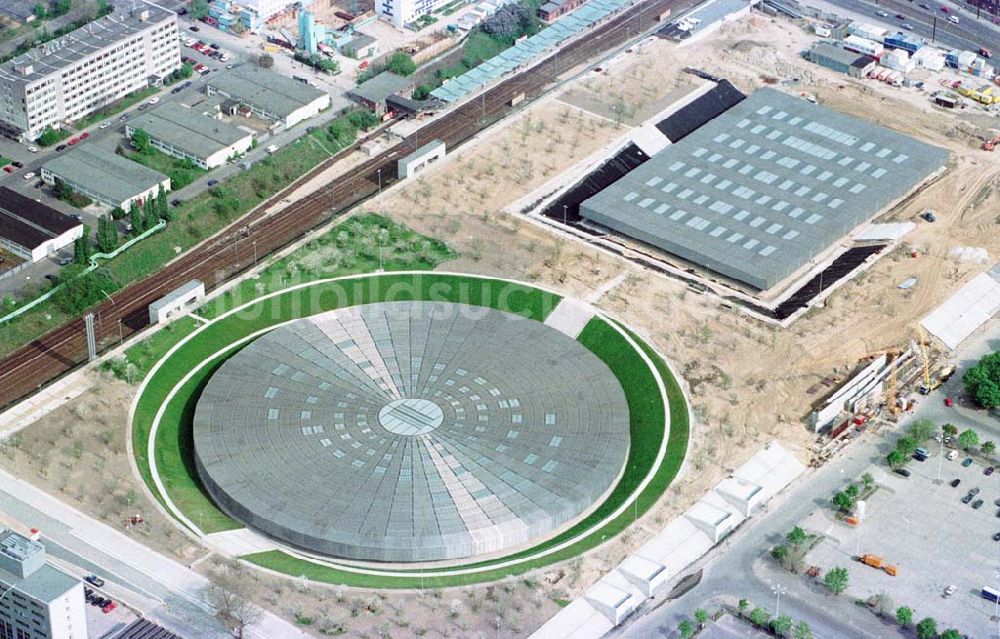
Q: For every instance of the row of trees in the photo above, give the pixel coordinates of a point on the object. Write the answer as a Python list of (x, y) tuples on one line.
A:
[(782, 626), (926, 628), (789, 554), (845, 499)]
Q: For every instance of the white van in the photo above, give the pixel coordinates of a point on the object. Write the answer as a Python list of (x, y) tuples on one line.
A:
[(952, 455), (953, 19)]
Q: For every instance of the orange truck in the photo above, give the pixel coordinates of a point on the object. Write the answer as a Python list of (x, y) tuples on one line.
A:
[(880, 564)]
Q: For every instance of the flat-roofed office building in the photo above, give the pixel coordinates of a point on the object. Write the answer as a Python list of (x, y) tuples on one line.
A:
[(191, 135), (72, 76)]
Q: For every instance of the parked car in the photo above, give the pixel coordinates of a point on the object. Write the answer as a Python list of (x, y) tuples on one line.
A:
[(996, 536), (104, 125), (214, 46), (986, 53), (62, 147), (33, 149), (73, 141), (967, 499), (84, 135), (29, 175), (9, 168), (94, 580), (950, 590), (976, 505), (64, 260), (949, 402), (194, 28), (924, 5), (123, 118), (213, 182), (19, 165), (108, 607), (989, 470), (175, 202), (143, 107), (974, 491), (154, 100), (902, 471), (956, 482), (39, 184), (967, 462), (952, 455), (928, 216)]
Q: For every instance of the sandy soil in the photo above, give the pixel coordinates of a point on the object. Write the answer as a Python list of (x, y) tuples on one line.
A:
[(747, 380)]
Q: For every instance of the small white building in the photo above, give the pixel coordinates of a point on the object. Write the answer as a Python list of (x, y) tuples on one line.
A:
[(930, 58), (863, 45), (427, 154), (867, 31), (175, 301), (898, 60)]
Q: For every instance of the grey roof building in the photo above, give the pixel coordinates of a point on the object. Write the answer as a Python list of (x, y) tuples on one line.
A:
[(32, 230), (39, 600), (407, 431), (373, 93), (187, 133), (104, 176), (271, 96), (761, 190)]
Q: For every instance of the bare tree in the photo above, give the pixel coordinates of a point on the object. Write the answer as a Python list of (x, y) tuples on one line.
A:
[(232, 597)]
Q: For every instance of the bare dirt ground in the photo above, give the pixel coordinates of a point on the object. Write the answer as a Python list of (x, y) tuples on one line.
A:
[(747, 380)]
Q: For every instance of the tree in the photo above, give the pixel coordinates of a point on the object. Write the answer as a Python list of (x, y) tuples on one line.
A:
[(867, 482), (104, 8), (265, 61), (796, 537), (836, 580), (780, 552), (422, 92), (951, 633), (882, 604), (686, 628), (150, 213), (988, 448), (107, 234), (81, 248), (843, 501), (742, 606), (140, 140), (39, 11), (968, 439), (802, 631), (927, 628), (135, 219), (907, 445), (162, 208), (982, 381), (402, 64), (118, 213), (186, 70), (904, 616), (61, 190), (199, 9), (82, 290), (231, 594), (701, 616), (50, 136), (949, 430), (759, 617), (922, 429), (782, 625), (61, 7), (895, 459)]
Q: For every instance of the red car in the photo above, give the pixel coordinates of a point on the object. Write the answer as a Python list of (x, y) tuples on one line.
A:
[(9, 168), (73, 141), (108, 607), (949, 402), (986, 53), (944, 9), (84, 135)]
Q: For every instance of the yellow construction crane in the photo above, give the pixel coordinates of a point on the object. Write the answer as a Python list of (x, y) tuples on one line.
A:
[(890, 394), (926, 387)]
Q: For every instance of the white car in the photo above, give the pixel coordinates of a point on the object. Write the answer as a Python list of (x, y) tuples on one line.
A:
[(104, 125), (950, 590), (29, 175), (33, 149), (154, 100)]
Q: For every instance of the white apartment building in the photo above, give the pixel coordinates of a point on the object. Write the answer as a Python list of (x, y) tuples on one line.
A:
[(38, 601), (70, 77), (402, 12)]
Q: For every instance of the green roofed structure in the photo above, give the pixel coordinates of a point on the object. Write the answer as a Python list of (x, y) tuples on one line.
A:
[(104, 176), (189, 134), (760, 192)]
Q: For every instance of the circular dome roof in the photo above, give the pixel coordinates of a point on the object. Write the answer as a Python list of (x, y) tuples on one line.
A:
[(411, 431)]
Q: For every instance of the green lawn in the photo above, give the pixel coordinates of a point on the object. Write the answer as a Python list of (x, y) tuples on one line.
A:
[(646, 414), (181, 172)]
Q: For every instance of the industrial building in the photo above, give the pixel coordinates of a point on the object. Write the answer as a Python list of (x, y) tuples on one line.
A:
[(403, 12), (39, 601), (105, 177), (411, 431), (837, 58), (189, 134), (72, 76), (764, 189), (374, 93), (555, 9), (269, 96), (31, 230)]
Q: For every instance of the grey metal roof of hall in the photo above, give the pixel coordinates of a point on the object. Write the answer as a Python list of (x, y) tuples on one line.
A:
[(765, 187), (265, 89), (188, 129), (113, 176), (411, 431)]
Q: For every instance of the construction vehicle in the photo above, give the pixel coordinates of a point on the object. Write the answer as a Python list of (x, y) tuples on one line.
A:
[(879, 564), (926, 387), (990, 144)]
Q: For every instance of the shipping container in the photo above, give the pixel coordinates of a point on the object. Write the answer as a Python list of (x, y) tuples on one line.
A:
[(863, 45)]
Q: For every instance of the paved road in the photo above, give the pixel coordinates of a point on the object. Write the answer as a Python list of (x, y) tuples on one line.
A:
[(737, 569), (164, 590)]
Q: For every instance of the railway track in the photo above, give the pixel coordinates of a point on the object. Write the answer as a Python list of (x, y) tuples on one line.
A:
[(231, 252)]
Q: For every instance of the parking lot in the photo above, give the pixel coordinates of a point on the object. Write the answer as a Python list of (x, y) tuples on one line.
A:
[(922, 526)]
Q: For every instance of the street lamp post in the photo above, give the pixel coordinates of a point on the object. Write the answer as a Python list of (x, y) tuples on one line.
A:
[(778, 591), (380, 190)]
